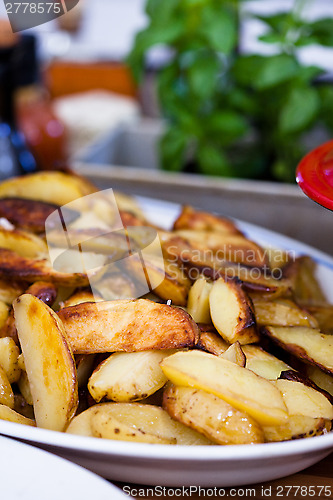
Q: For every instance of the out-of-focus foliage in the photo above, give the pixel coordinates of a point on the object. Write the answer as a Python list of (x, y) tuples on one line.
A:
[(233, 114)]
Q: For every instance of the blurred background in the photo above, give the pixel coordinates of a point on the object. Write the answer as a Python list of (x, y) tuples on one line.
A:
[(165, 97)]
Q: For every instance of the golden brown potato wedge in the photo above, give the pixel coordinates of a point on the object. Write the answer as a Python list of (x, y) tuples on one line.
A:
[(212, 342), (10, 289), (48, 361), (190, 218), (4, 313), (141, 423), (115, 286), (9, 353), (6, 391), (23, 243), (211, 416), (235, 354), (127, 325), (80, 297), (80, 424), (282, 313), (24, 386), (320, 378), (262, 363), (306, 288), (277, 258), (198, 300), (232, 312), (303, 400), (238, 386), (128, 376), (323, 316), (84, 368), (307, 344), (297, 427), (10, 415), (51, 187)]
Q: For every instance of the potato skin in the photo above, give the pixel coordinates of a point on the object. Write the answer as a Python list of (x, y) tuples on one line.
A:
[(127, 325), (211, 416), (26, 214)]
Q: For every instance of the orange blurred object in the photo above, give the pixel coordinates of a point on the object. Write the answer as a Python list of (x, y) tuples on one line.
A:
[(65, 78)]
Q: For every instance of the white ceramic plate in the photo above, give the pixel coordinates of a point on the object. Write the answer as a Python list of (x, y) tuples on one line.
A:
[(181, 465), (29, 473)]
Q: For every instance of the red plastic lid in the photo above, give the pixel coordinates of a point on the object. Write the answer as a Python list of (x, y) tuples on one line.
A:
[(314, 175)]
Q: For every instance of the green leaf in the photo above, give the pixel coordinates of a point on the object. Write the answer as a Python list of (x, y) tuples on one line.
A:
[(161, 11), (272, 38), (212, 161), (246, 68), (276, 70), (277, 22), (243, 101), (300, 109), (322, 30), (307, 74), (203, 76), (326, 97), (172, 149), (227, 125), (219, 27)]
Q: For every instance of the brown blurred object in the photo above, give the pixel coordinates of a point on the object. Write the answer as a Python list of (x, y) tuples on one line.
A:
[(63, 78), (7, 37), (72, 20)]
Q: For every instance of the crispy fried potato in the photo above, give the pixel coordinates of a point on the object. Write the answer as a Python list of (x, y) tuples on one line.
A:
[(297, 427), (49, 362), (198, 301), (80, 297), (128, 376), (232, 312), (29, 215), (307, 344), (51, 187), (9, 353), (127, 325), (306, 288), (263, 363), (6, 391), (141, 423), (238, 386), (211, 416), (211, 342), (10, 415), (24, 243), (282, 313), (235, 354), (303, 400), (204, 221)]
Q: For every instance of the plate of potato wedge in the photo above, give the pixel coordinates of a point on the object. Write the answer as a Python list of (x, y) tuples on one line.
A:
[(159, 344)]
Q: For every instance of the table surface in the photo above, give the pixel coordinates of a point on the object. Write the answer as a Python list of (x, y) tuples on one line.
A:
[(309, 483)]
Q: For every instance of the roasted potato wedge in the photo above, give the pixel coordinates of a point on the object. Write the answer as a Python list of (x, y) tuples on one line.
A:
[(4, 313), (141, 423), (128, 376), (190, 218), (232, 312), (25, 244), (240, 387), (262, 363), (211, 416), (127, 325), (297, 427), (9, 353), (324, 317), (235, 354), (29, 215), (306, 288), (10, 415), (24, 386), (307, 344), (10, 289), (48, 361), (320, 378), (6, 391), (282, 313), (212, 342), (198, 301)]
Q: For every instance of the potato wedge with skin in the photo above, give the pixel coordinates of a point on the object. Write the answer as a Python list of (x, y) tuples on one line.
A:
[(6, 391), (263, 363), (240, 387), (297, 427), (307, 344), (320, 378), (141, 423), (282, 313), (235, 354), (212, 342), (306, 288), (80, 297), (80, 424), (232, 312), (127, 325), (24, 386), (48, 361), (10, 415), (9, 353), (4, 313), (9, 290), (323, 316), (198, 300), (51, 187), (24, 243), (190, 218), (303, 400), (211, 416), (128, 376), (84, 368)]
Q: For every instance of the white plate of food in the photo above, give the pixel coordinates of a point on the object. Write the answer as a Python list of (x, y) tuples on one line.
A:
[(204, 465)]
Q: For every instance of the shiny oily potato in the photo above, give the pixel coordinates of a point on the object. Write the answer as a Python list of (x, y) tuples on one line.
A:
[(211, 342), (142, 424), (282, 313), (6, 391), (9, 290), (303, 400), (320, 378), (10, 415), (9, 353), (235, 354), (24, 386), (24, 243), (198, 300), (297, 427), (128, 376), (48, 361), (211, 416), (241, 388), (4, 313), (232, 312), (263, 363)]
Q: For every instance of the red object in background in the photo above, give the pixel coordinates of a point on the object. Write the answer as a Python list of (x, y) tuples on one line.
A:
[(314, 175), (44, 133)]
